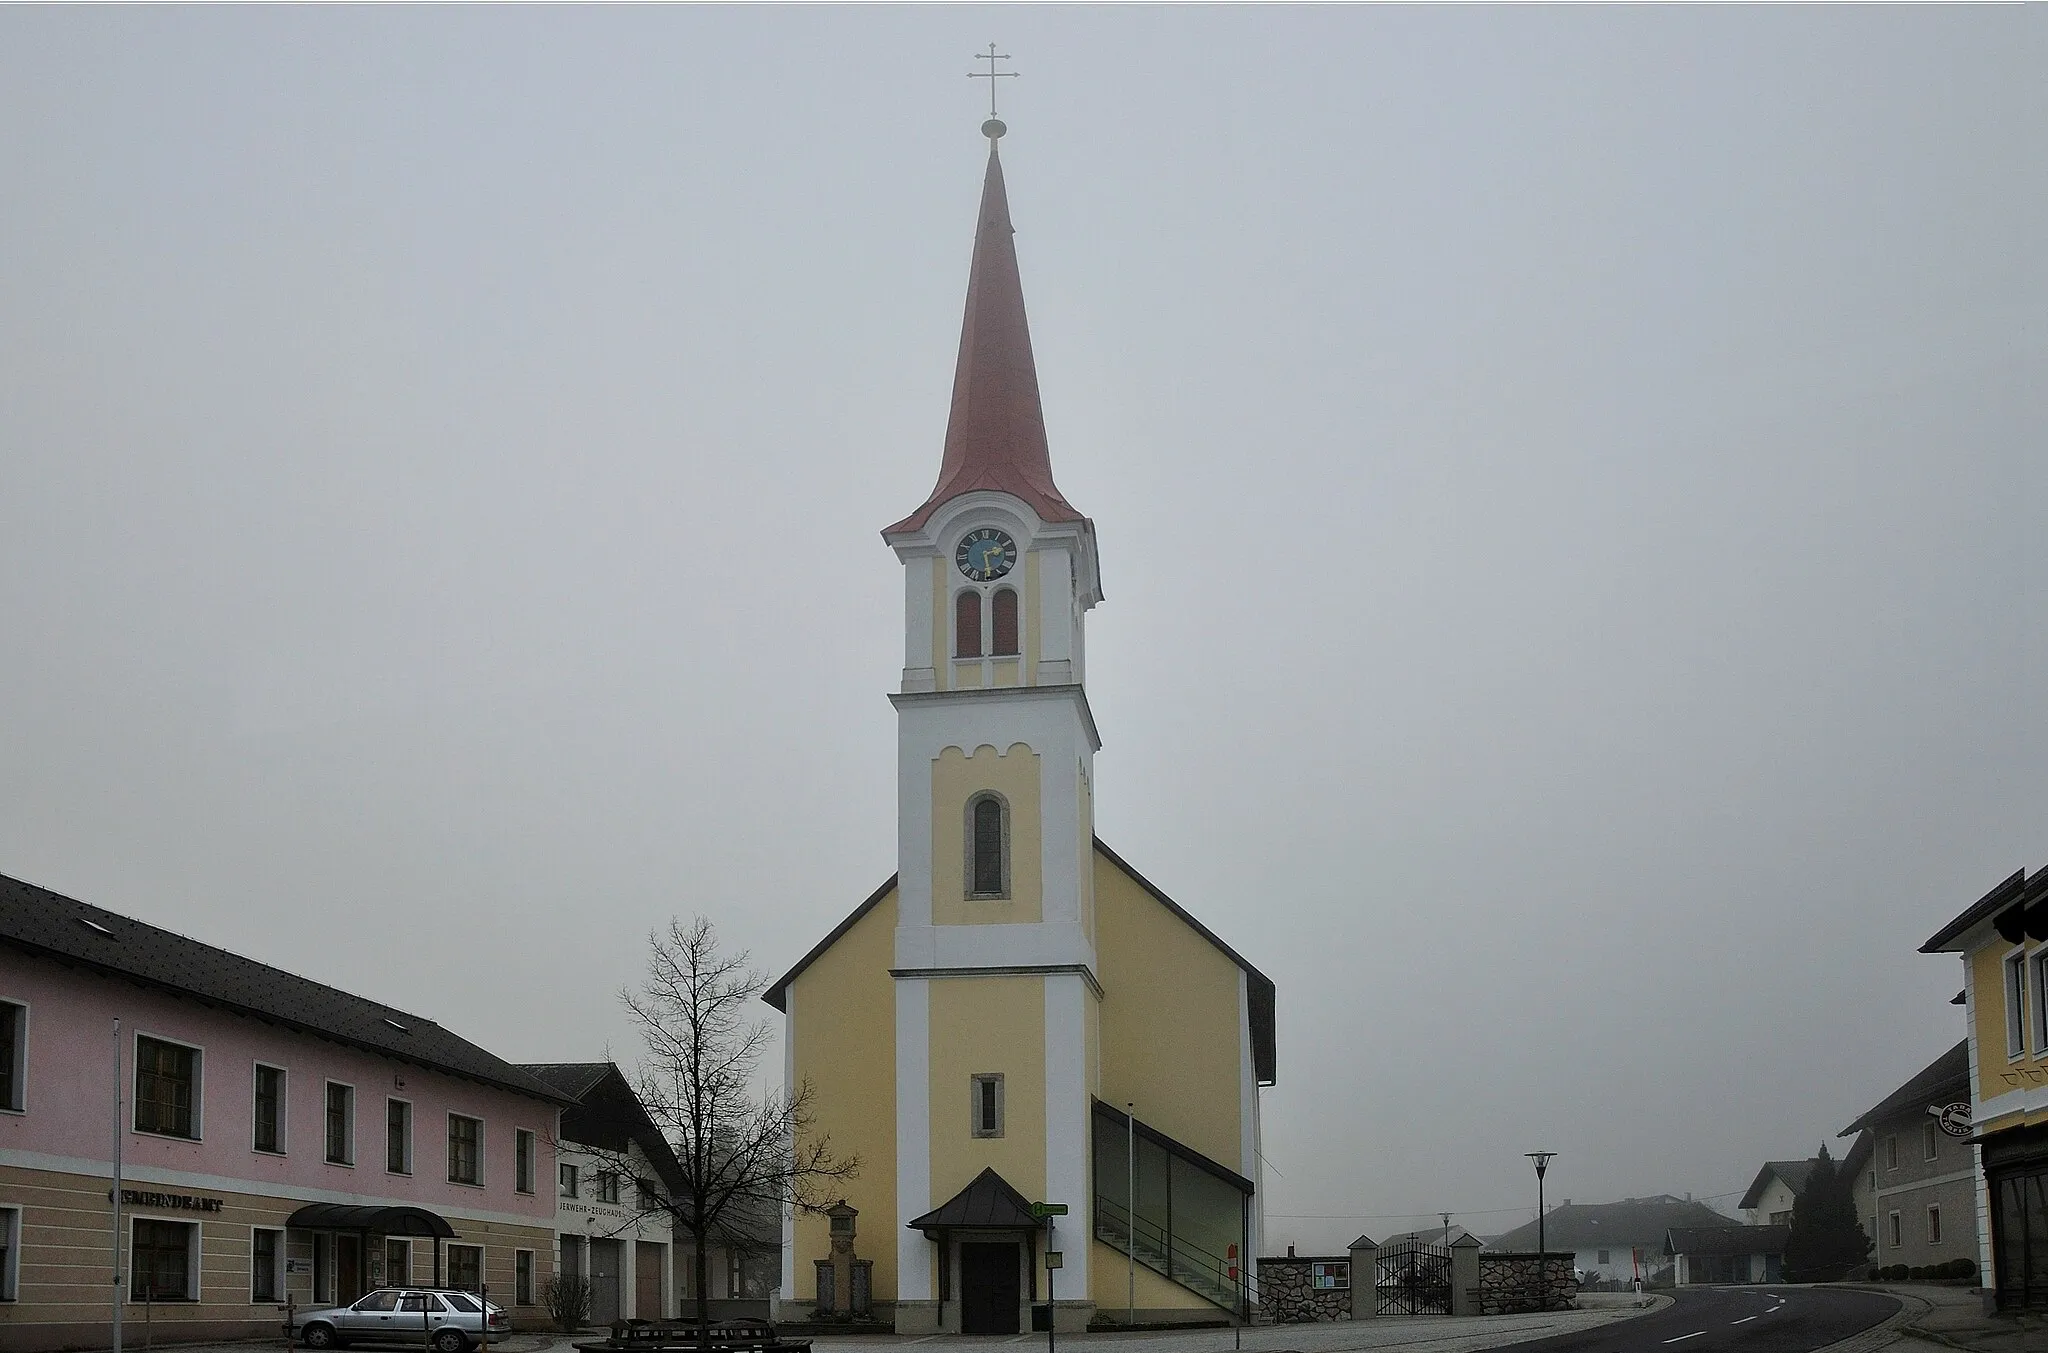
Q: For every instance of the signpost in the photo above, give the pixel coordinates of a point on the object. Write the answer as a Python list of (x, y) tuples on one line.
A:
[(1054, 1261)]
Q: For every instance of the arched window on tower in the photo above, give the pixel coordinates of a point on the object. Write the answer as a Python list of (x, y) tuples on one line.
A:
[(967, 624), (988, 847), (1006, 622)]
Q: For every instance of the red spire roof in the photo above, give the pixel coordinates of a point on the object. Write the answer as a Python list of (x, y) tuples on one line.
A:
[(995, 438)]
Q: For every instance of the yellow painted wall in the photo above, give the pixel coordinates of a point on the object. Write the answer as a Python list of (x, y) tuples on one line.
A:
[(1109, 1275), (1003, 672), (956, 778), (845, 1047), (1169, 1019), (979, 1025), (1987, 986)]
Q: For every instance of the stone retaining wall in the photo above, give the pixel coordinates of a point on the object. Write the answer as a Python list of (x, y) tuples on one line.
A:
[(1288, 1294), (1509, 1283)]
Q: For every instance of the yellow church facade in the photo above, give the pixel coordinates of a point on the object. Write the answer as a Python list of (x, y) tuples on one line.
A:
[(1019, 1017)]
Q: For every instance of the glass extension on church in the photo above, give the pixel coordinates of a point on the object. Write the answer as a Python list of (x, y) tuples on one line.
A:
[(1190, 1213)]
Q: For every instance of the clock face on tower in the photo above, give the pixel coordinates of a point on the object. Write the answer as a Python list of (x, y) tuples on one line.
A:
[(986, 554)]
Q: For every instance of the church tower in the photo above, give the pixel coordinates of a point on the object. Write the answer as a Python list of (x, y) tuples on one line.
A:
[(1018, 1017), (995, 930)]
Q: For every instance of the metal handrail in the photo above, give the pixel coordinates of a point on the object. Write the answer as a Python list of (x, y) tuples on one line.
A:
[(1191, 1257)]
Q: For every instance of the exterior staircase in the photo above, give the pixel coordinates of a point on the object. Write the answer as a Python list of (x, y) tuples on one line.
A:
[(1206, 1275)]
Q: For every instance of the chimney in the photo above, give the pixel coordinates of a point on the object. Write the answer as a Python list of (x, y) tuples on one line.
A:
[(1290, 1249)]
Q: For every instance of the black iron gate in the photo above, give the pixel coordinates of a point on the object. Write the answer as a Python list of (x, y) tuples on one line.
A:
[(1412, 1279)]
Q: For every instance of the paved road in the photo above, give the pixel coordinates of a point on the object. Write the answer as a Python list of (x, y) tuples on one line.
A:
[(1733, 1320)]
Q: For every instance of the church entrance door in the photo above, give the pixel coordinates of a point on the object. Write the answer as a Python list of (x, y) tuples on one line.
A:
[(991, 1288)]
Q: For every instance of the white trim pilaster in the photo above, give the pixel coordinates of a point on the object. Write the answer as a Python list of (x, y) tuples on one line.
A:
[(913, 1136), (1067, 1123)]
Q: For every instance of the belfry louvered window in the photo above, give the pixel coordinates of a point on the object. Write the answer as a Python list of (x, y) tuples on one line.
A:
[(967, 624), (1005, 607), (988, 872)]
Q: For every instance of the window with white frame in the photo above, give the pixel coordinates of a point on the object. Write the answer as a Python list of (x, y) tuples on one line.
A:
[(10, 1253), (397, 1136), (166, 1087), (323, 1267), (988, 846), (13, 1055), (266, 1131), (569, 1181), (2015, 1005), (163, 1260), (466, 1267), (524, 1147), (341, 1123), (1934, 1223), (397, 1262), (1930, 1140), (522, 1277), (2041, 1002), (1891, 1151), (607, 1186), (1895, 1229), (986, 1106), (266, 1265), (465, 1150)]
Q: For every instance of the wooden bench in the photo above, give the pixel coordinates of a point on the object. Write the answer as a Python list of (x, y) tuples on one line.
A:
[(724, 1336)]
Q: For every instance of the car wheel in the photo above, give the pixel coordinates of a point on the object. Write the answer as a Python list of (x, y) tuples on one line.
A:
[(319, 1336), (450, 1341)]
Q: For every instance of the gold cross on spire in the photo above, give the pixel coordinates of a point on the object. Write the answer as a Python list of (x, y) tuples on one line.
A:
[(992, 74)]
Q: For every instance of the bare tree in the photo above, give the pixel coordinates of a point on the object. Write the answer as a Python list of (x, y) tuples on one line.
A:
[(745, 1152)]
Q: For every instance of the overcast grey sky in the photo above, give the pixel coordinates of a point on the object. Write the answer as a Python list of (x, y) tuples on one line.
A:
[(1570, 485)]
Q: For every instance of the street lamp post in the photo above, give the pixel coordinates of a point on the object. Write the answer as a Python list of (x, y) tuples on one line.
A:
[(1541, 1159)]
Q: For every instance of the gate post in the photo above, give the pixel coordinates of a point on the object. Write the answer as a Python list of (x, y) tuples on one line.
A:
[(1465, 1275), (1365, 1278)]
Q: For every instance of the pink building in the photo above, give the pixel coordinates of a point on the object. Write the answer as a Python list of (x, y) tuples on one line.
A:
[(280, 1140)]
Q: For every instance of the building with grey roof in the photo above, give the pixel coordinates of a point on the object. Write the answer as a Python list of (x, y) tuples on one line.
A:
[(1613, 1242), (279, 1139)]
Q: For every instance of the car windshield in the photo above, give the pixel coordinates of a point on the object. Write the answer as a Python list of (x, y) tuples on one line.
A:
[(378, 1301), (460, 1301)]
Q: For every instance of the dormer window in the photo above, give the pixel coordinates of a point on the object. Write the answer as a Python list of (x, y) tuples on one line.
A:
[(967, 624), (1005, 608)]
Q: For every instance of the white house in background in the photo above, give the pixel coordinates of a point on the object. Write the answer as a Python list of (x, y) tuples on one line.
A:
[(1771, 1194), (609, 1148), (1612, 1242)]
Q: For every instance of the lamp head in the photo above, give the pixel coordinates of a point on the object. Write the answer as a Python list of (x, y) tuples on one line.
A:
[(1541, 1159)]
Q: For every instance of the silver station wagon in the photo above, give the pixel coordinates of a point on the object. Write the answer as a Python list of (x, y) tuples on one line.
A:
[(448, 1320)]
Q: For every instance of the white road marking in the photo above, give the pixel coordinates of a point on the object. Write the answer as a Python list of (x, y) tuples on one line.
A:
[(1683, 1337), (1744, 1321)]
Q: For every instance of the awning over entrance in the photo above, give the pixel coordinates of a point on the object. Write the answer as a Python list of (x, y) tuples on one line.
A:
[(383, 1221), (987, 1204)]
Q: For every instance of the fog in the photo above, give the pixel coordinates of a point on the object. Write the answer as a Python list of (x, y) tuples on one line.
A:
[(1570, 486)]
